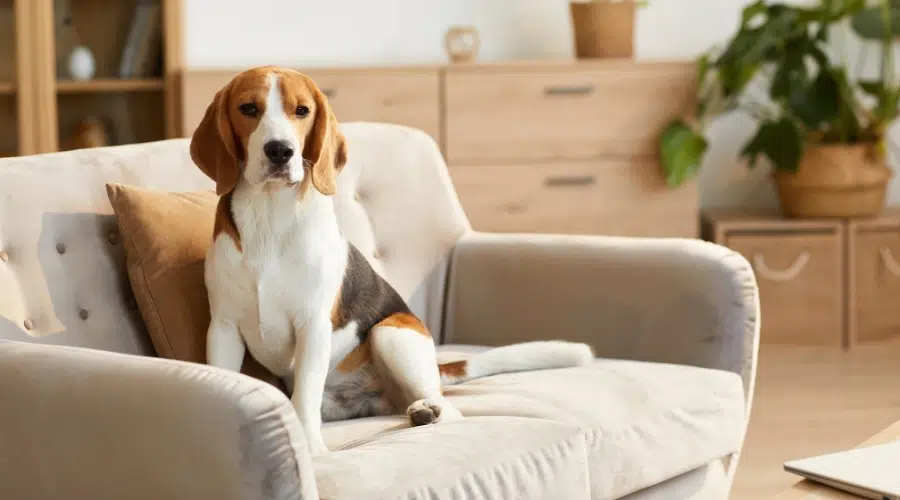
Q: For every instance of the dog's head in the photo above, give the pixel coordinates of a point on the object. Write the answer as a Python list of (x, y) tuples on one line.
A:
[(269, 125)]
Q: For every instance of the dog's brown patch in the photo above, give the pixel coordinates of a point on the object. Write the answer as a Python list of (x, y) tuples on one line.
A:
[(324, 146), (219, 143), (336, 321), (405, 320), (456, 369), (224, 221), (355, 359)]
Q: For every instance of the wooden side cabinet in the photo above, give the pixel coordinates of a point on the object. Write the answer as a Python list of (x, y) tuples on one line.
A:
[(799, 267), (873, 256), (832, 282)]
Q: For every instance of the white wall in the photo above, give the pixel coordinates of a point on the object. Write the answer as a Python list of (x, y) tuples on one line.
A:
[(327, 32), (239, 33)]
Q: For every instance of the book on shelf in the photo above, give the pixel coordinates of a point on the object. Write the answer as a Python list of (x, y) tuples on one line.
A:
[(143, 45)]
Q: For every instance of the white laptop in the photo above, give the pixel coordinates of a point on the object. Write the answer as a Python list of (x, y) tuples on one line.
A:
[(870, 472)]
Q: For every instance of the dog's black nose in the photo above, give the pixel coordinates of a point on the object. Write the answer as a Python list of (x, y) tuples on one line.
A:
[(278, 152)]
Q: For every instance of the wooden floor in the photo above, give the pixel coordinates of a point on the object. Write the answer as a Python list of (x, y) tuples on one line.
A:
[(814, 400)]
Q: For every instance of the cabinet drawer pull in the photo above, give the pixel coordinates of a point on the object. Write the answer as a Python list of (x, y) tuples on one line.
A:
[(569, 180), (889, 261), (781, 276), (568, 90), (329, 93)]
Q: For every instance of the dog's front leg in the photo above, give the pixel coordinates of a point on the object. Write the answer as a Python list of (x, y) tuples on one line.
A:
[(224, 346), (311, 356)]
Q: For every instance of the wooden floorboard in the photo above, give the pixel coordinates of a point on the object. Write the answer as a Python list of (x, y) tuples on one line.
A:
[(811, 401)]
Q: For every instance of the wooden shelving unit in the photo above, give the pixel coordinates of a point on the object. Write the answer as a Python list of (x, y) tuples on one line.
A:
[(10, 143), (111, 85), (42, 105)]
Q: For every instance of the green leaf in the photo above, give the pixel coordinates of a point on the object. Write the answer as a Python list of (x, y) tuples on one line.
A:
[(819, 56), (872, 87), (779, 141), (887, 105), (834, 10), (702, 69), (888, 99), (751, 47), (790, 75), (738, 63), (681, 152), (817, 103), (753, 10), (846, 128), (870, 23)]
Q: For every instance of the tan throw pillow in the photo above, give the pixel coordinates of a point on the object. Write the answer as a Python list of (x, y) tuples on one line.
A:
[(166, 236)]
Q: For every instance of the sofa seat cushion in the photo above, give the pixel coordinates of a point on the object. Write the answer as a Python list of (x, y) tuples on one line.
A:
[(643, 423), (473, 458)]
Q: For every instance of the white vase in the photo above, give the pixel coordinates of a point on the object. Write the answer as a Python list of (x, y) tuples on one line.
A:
[(81, 63)]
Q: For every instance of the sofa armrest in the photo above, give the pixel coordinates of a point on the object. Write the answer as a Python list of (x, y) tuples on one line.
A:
[(81, 423), (666, 300)]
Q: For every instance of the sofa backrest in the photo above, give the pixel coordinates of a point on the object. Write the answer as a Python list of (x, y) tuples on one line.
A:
[(62, 265)]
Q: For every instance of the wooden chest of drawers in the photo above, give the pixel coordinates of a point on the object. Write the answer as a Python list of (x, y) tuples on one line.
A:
[(568, 148), (574, 197), (550, 112), (560, 147)]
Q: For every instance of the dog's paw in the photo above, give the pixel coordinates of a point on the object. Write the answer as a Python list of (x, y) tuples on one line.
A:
[(426, 411)]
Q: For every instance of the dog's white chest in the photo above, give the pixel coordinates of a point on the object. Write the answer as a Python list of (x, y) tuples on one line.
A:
[(286, 278), (269, 322)]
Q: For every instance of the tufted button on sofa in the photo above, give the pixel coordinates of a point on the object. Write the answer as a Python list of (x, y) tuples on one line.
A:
[(90, 411)]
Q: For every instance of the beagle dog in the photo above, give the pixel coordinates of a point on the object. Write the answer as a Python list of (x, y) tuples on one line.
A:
[(286, 285)]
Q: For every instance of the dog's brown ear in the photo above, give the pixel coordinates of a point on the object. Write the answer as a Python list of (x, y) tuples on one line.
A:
[(326, 147), (213, 146)]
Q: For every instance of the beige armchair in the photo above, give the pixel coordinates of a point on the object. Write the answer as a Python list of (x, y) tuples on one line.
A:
[(89, 411)]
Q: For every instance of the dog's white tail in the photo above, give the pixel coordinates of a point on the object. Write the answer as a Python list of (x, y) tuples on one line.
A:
[(528, 356)]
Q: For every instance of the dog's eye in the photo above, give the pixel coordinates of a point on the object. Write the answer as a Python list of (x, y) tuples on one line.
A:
[(248, 109), (302, 111)]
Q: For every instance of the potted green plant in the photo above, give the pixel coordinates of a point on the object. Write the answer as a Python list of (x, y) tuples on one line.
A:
[(822, 128)]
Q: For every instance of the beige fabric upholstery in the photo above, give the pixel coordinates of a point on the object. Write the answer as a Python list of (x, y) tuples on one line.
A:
[(80, 423), (710, 482), (622, 426), (482, 458), (642, 422), (64, 272), (685, 302)]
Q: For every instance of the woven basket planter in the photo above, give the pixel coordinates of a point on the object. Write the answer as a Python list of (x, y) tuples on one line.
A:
[(603, 28), (845, 180)]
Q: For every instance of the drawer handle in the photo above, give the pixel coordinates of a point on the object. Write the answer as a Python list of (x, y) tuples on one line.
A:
[(329, 93), (778, 275), (574, 180), (889, 262), (568, 90)]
